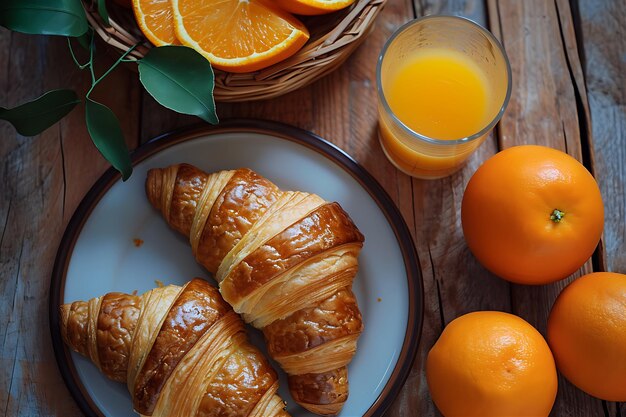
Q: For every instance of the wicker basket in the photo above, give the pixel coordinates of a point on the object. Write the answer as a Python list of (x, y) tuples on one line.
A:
[(333, 38)]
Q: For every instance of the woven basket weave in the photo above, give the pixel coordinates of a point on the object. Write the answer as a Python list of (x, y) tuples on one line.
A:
[(333, 38)]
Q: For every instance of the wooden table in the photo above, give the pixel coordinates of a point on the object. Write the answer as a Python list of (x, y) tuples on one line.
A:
[(569, 92)]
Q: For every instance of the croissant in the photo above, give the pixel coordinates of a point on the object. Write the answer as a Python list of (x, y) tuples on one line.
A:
[(284, 260), (182, 351)]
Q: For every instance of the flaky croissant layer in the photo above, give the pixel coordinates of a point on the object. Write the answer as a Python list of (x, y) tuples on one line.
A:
[(182, 351), (284, 260)]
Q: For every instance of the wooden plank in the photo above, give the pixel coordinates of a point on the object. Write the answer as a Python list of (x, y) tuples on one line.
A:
[(295, 108), (454, 282), (43, 179), (603, 42), (120, 91), (32, 191), (543, 110), (156, 120)]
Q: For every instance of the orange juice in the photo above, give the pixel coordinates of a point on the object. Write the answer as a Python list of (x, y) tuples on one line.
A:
[(440, 93), (443, 82), (421, 163)]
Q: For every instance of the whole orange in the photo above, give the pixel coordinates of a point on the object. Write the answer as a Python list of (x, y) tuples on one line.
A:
[(532, 214), (490, 363), (587, 334)]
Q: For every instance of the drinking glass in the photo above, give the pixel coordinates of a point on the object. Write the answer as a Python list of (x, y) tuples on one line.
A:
[(410, 150)]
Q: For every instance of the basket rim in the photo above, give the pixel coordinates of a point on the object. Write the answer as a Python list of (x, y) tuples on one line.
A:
[(322, 54)]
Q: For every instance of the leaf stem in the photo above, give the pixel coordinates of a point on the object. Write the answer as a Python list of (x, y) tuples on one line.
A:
[(78, 64), (557, 215), (92, 45), (120, 59)]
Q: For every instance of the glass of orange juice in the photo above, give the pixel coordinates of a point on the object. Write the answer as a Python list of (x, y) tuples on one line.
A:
[(443, 83)]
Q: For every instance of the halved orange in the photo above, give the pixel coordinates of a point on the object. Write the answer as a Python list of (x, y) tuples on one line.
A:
[(312, 7), (238, 35), (156, 21)]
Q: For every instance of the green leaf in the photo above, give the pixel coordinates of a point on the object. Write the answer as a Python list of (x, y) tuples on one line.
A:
[(44, 17), (85, 39), (180, 79), (102, 11), (107, 135), (32, 118)]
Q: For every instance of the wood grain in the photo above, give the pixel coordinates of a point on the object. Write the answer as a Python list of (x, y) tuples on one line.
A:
[(454, 282), (43, 179), (569, 92), (543, 110), (602, 41)]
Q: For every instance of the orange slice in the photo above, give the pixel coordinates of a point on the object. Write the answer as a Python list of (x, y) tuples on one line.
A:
[(238, 35), (156, 21), (312, 7)]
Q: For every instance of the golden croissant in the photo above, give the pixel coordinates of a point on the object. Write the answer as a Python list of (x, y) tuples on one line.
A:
[(182, 351), (284, 260)]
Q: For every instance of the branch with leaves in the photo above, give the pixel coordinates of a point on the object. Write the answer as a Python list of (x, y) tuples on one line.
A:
[(177, 77)]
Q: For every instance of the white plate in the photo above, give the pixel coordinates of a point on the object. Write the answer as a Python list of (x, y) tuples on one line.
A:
[(98, 254)]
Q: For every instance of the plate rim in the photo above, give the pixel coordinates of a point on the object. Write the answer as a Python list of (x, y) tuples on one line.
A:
[(336, 155)]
